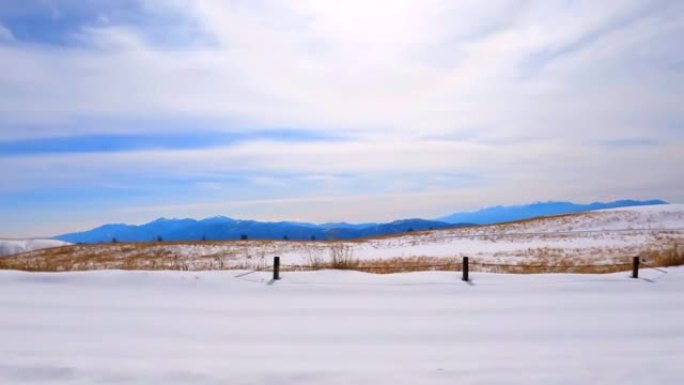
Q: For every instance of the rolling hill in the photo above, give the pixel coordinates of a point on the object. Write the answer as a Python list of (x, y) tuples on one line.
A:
[(610, 236)]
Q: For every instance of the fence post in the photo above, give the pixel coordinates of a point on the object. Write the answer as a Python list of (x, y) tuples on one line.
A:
[(465, 269), (635, 267), (276, 268)]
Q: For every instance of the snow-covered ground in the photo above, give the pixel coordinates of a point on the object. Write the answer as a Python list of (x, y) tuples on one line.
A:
[(333, 327), (14, 246), (605, 235)]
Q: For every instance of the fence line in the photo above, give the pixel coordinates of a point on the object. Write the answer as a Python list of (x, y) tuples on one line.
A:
[(457, 263), (464, 266), (546, 265)]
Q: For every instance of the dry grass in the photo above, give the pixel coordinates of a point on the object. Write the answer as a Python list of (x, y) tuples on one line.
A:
[(122, 256), (424, 263), (541, 268), (256, 255), (411, 264), (674, 256), (340, 256)]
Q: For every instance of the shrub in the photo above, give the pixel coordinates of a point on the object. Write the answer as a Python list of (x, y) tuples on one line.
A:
[(342, 257)]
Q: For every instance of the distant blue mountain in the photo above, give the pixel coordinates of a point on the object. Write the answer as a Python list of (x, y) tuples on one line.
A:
[(345, 225), (498, 214), (224, 228)]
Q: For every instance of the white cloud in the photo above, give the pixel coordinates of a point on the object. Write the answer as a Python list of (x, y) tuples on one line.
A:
[(403, 68)]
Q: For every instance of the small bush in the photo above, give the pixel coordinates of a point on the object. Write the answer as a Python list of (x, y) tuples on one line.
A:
[(342, 257)]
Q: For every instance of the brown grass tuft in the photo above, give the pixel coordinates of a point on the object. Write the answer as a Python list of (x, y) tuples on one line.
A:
[(674, 256)]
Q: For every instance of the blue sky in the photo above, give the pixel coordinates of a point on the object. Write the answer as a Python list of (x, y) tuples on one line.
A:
[(125, 111)]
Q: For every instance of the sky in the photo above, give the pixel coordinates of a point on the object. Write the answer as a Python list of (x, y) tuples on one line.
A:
[(129, 110)]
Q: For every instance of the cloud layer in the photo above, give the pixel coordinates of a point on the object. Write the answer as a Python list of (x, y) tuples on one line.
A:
[(342, 110)]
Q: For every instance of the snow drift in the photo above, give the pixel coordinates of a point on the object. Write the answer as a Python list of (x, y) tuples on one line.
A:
[(14, 246)]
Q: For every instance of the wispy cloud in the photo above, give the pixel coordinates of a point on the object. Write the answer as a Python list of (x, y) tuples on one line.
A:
[(173, 140), (5, 34), (629, 142)]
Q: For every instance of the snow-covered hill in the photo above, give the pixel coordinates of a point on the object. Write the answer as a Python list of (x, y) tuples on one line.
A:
[(14, 246), (607, 236), (604, 234)]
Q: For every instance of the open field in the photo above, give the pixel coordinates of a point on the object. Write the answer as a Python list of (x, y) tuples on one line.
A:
[(340, 327), (599, 241)]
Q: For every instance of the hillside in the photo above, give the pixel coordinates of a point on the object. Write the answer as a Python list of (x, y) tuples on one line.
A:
[(599, 237)]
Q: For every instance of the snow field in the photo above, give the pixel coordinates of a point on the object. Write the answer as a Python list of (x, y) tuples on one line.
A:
[(333, 327)]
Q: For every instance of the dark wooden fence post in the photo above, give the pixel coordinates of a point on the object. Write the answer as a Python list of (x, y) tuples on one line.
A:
[(635, 267), (276, 268), (465, 269)]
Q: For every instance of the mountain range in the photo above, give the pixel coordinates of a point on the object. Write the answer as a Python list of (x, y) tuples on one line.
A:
[(225, 228), (499, 214)]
